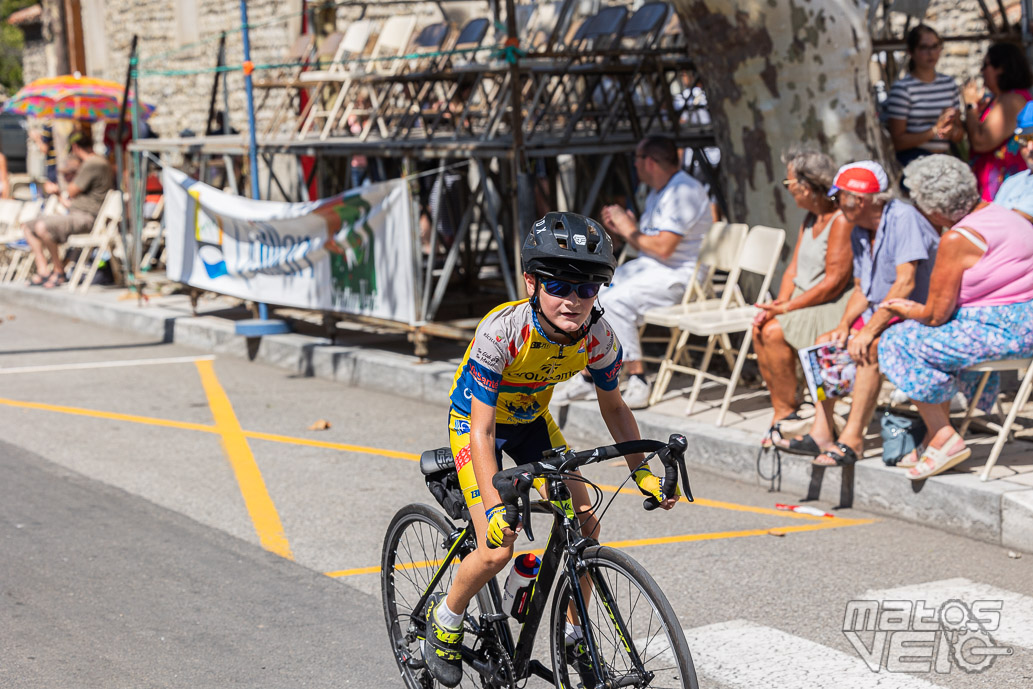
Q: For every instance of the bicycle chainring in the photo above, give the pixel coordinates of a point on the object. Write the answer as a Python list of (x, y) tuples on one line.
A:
[(503, 674)]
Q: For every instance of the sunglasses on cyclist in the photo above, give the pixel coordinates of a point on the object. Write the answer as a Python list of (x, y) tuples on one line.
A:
[(562, 288)]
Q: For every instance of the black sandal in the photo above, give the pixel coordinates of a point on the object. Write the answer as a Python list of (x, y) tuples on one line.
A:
[(804, 445), (774, 433), (844, 457), (38, 280)]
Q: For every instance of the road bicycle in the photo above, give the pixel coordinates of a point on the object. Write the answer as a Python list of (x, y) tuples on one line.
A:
[(630, 634)]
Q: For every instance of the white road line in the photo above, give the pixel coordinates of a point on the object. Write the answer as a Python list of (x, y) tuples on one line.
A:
[(741, 655), (105, 364), (1016, 623)]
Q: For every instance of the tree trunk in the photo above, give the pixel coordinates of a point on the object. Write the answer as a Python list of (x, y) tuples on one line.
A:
[(778, 74)]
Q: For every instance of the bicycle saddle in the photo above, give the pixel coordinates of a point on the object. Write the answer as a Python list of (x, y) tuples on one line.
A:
[(434, 461)]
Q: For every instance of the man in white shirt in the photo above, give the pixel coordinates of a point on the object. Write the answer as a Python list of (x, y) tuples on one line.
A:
[(668, 237)]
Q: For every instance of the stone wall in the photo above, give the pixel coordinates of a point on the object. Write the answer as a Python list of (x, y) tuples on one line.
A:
[(960, 59), (183, 99), (34, 61)]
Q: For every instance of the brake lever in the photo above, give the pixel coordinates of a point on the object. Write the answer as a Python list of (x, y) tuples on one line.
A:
[(523, 483)]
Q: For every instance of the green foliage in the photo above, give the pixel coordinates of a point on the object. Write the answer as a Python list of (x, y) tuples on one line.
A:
[(11, 44)]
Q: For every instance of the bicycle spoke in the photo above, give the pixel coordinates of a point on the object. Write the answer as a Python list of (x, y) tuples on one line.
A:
[(625, 606)]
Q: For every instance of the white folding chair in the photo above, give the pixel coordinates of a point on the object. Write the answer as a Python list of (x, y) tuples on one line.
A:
[(102, 241), (1021, 398), (345, 48), (759, 254), (719, 251)]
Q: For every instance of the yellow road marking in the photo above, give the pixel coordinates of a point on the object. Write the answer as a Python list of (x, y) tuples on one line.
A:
[(187, 426), (273, 438), (259, 505), (112, 416), (827, 523), (820, 522), (704, 502)]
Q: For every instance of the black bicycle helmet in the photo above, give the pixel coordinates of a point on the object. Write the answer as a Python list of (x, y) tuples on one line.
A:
[(570, 247)]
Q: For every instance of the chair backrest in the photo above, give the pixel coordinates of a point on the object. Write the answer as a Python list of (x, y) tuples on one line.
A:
[(9, 212), (300, 49), (51, 205), (326, 51), (603, 29), (109, 215), (430, 38), (394, 36), (646, 23), (356, 36), (727, 245), (29, 210), (473, 33), (719, 250), (392, 42), (759, 254)]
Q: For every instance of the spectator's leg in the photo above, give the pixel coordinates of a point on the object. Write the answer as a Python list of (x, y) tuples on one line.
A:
[(938, 427), (50, 244), (32, 236), (623, 314), (823, 432), (777, 361), (866, 393)]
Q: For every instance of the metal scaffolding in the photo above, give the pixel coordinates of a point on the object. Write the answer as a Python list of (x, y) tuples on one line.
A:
[(543, 105)]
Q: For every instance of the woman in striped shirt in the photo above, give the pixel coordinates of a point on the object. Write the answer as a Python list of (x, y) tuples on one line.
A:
[(924, 108)]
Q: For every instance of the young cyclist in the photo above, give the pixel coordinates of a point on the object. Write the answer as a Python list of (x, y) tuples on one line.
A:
[(500, 402)]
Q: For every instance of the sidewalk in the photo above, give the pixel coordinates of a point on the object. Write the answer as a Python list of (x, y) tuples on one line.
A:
[(999, 511)]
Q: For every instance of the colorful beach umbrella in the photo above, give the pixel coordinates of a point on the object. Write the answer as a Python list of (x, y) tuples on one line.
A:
[(72, 97)]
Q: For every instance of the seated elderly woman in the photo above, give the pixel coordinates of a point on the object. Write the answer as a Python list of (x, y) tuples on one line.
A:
[(979, 308), (814, 288)]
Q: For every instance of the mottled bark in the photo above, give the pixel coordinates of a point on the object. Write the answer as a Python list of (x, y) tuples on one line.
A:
[(780, 73)]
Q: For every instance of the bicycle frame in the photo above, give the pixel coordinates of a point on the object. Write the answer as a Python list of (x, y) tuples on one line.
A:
[(563, 547)]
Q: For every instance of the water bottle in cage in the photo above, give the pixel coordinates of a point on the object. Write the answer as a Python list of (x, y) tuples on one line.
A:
[(517, 591)]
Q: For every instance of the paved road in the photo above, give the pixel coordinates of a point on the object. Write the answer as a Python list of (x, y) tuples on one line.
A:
[(168, 520)]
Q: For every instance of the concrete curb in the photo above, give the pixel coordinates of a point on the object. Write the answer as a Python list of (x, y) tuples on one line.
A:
[(998, 512)]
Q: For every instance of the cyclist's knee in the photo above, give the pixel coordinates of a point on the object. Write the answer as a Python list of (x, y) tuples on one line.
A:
[(495, 559)]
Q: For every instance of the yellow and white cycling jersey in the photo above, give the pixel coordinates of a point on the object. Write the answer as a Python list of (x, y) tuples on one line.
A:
[(512, 366)]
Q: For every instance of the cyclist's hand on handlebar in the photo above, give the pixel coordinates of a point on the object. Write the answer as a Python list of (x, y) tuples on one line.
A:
[(651, 487), (499, 532)]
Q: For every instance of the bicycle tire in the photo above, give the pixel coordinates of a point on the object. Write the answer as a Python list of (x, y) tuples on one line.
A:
[(650, 622), (413, 548)]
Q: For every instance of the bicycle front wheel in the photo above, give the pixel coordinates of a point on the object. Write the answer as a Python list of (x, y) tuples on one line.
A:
[(638, 639), (414, 549)]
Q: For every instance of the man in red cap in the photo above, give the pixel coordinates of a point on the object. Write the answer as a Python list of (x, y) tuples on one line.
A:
[(894, 249)]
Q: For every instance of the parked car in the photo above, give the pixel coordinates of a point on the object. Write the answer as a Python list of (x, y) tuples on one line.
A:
[(13, 142)]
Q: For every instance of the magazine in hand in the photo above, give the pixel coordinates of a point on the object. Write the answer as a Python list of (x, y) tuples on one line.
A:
[(829, 371)]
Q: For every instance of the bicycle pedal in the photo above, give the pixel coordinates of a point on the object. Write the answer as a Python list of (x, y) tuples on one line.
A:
[(411, 660)]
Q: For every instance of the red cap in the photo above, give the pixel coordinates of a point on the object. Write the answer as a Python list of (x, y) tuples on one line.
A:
[(862, 177)]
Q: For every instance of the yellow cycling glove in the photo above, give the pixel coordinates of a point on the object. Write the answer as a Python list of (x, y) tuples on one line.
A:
[(497, 524), (651, 485)]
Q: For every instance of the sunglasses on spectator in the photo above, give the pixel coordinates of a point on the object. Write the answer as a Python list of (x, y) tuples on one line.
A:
[(562, 288), (930, 46)]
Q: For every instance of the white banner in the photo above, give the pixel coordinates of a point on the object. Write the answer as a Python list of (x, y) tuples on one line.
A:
[(351, 253)]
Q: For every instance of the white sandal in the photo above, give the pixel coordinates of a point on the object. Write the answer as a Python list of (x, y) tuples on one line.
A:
[(941, 461)]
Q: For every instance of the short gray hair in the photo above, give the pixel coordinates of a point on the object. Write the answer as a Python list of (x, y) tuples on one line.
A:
[(813, 168), (942, 184)]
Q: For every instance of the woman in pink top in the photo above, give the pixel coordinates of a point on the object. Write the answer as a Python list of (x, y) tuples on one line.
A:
[(980, 306), (990, 122)]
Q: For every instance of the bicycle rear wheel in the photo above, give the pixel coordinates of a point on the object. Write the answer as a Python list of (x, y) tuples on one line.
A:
[(626, 604), (414, 547)]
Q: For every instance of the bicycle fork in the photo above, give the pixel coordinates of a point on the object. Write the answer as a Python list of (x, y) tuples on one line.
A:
[(602, 589)]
